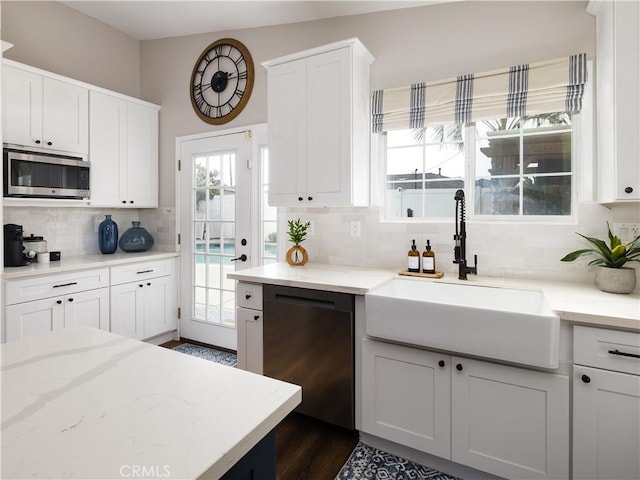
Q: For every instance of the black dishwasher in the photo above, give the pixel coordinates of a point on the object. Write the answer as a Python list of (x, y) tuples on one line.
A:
[(309, 340)]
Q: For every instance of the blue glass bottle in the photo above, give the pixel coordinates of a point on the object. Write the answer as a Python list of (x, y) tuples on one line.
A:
[(108, 235), (136, 239)]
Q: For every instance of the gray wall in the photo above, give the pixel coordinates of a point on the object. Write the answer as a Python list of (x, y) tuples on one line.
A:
[(58, 39)]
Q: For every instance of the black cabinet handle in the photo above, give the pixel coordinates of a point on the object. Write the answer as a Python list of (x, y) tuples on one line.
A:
[(49, 143), (144, 271), (247, 296), (148, 284), (59, 302), (309, 198), (130, 201), (300, 199), (459, 367), (242, 258), (140, 285), (70, 300), (586, 379), (628, 190), (124, 201), (65, 284), (38, 142), (441, 363), (623, 354), (256, 317)]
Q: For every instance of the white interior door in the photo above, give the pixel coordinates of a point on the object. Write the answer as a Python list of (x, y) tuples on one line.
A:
[(216, 218)]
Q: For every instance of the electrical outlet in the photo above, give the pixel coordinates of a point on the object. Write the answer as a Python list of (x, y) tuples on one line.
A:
[(626, 231), (355, 228)]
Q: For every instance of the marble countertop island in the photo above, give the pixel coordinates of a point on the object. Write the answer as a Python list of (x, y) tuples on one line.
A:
[(84, 403)]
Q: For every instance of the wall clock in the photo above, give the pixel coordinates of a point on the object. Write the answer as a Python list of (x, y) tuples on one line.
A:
[(222, 81)]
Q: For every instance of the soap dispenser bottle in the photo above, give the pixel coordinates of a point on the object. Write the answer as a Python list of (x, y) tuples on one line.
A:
[(413, 259), (428, 260)]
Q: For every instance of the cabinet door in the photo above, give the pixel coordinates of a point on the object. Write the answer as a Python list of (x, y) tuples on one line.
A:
[(606, 424), (88, 308), (126, 310), (65, 116), (106, 132), (21, 107), (159, 307), (32, 318), (250, 354), (509, 421), (329, 128), (407, 396), (287, 116), (139, 174)]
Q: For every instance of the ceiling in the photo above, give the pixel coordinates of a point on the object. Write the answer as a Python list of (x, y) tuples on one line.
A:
[(153, 19)]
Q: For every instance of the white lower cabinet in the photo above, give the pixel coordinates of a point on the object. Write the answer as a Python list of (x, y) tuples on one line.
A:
[(147, 306), (606, 404), (504, 420), (45, 303), (249, 317)]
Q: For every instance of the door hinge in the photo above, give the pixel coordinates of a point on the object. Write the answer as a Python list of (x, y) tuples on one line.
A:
[(179, 238), (248, 135), (179, 312), (179, 165)]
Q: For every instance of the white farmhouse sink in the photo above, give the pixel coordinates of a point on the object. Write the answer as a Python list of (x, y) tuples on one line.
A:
[(500, 323)]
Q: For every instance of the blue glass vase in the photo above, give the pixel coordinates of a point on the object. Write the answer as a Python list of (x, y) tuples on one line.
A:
[(136, 239), (108, 235)]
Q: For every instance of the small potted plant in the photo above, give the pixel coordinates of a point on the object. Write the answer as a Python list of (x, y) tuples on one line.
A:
[(297, 255), (611, 274)]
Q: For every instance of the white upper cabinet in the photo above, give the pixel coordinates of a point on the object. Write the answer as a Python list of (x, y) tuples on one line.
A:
[(618, 99), (43, 112), (318, 114), (123, 152)]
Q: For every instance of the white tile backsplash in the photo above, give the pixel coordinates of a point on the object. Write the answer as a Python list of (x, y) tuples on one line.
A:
[(73, 230), (517, 250)]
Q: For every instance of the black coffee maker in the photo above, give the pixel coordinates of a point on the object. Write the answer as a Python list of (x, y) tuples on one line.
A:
[(13, 246)]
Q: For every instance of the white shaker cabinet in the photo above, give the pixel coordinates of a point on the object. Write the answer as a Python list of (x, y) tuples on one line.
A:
[(618, 99), (44, 112), (508, 421), (144, 299), (318, 116), (606, 404), (123, 150), (45, 303), (250, 325)]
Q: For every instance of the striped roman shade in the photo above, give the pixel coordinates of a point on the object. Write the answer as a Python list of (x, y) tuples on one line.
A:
[(529, 89)]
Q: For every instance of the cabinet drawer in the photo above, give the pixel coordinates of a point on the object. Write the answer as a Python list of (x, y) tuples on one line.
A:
[(141, 271), (249, 295), (40, 287), (608, 349)]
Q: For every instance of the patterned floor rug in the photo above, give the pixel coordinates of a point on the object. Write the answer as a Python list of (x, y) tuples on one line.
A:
[(370, 463), (218, 356)]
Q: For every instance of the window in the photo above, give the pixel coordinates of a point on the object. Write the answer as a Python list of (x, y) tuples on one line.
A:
[(269, 215), (512, 168)]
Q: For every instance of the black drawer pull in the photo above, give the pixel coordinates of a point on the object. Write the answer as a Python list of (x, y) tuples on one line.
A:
[(256, 317), (441, 363), (65, 284), (459, 367), (586, 379), (144, 271), (624, 354)]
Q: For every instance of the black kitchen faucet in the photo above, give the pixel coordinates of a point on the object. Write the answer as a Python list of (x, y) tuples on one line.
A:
[(460, 249)]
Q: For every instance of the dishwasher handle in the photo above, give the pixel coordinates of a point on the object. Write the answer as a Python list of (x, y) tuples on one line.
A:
[(342, 302)]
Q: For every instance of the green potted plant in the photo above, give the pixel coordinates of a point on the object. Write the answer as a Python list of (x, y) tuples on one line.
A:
[(297, 255), (611, 274)]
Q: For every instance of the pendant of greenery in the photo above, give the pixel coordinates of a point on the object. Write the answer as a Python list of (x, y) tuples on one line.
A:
[(298, 231), (614, 255)]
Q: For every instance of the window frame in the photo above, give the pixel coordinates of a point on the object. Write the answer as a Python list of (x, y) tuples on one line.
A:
[(583, 180)]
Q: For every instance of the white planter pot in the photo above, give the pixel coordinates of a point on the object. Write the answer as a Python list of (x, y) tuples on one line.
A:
[(615, 280)]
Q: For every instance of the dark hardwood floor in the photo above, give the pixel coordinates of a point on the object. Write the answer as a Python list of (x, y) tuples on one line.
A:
[(306, 449)]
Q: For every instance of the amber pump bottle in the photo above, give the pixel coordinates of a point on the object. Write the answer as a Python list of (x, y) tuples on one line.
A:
[(428, 260), (413, 259)]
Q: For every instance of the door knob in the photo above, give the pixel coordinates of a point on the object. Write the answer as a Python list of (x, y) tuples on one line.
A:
[(242, 258)]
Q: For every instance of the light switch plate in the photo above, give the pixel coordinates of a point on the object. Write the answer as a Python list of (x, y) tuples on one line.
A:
[(626, 231)]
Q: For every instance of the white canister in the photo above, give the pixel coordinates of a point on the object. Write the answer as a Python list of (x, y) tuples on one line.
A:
[(43, 257)]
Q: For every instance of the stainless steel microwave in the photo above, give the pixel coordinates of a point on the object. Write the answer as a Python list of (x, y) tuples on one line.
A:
[(45, 175)]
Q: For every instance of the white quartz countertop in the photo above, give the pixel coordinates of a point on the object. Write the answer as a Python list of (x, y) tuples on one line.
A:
[(84, 262), (574, 302), (84, 403)]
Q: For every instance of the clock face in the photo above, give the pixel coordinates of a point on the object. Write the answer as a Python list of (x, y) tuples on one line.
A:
[(222, 81)]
